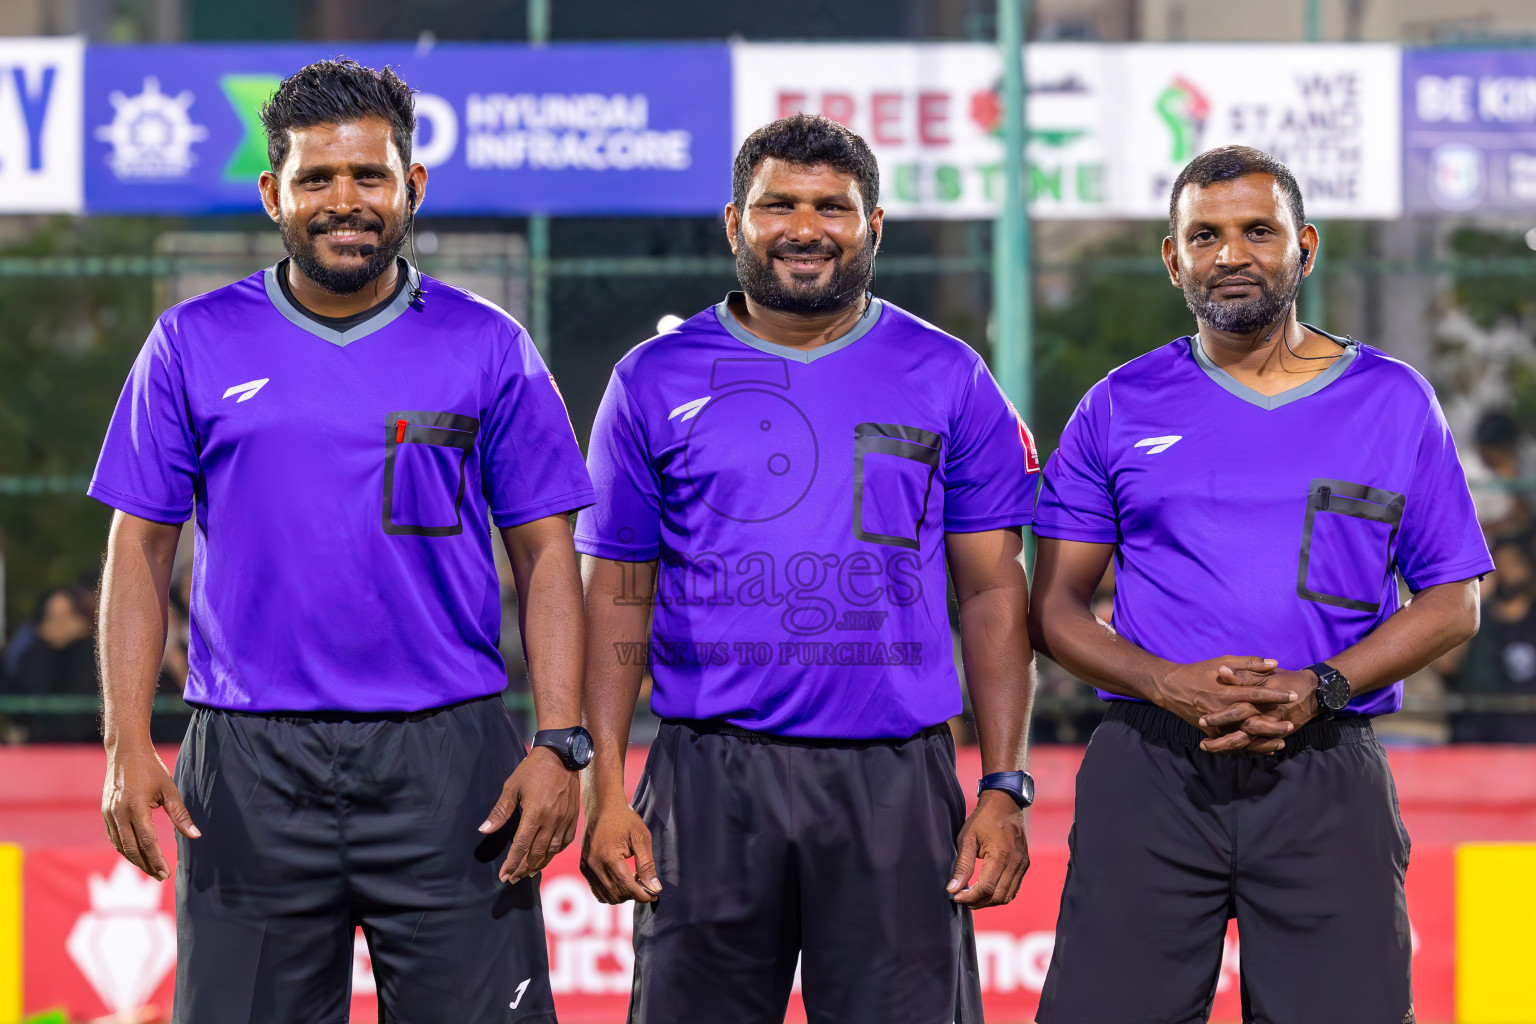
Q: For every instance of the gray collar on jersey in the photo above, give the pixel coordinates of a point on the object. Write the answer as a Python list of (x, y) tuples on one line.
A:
[(1252, 397), (800, 355), (382, 319)]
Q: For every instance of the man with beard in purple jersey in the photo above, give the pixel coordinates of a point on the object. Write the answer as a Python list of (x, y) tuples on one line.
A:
[(344, 432), (783, 480), (1261, 485)]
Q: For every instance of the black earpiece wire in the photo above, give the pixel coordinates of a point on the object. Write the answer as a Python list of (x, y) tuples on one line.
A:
[(410, 194), (368, 249), (1306, 256)]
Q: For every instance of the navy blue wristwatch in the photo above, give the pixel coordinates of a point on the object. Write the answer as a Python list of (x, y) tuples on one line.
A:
[(573, 745), (1019, 785)]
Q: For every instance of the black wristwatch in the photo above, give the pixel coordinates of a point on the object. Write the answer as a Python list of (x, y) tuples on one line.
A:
[(1332, 689), (574, 745), (1019, 785)]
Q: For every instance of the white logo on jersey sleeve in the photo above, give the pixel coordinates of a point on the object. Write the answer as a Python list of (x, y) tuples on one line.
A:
[(247, 391), (519, 996), (688, 410), (1153, 445)]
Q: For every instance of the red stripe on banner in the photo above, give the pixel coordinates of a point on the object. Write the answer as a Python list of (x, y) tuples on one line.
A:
[(99, 935)]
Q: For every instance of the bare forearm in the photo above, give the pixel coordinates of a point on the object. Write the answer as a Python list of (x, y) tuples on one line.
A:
[(1433, 623), (1064, 628), (992, 590), (1066, 631), (135, 583), (1000, 674), (618, 602), (549, 614)]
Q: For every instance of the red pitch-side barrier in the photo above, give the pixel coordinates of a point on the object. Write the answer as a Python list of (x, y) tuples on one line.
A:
[(99, 938)]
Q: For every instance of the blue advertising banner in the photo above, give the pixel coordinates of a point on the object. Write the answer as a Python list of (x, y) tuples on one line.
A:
[(1469, 130), (502, 128)]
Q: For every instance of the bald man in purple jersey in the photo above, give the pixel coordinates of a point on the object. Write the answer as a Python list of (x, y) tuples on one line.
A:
[(783, 479), (1261, 486)]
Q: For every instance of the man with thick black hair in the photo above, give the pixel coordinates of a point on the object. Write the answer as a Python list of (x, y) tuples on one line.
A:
[(343, 428), (784, 478)]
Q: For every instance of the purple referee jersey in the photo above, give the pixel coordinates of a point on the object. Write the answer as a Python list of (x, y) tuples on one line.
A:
[(342, 483), (1267, 526), (797, 502)]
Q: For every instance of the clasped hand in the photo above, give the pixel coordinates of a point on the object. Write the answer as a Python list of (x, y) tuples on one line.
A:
[(1240, 703)]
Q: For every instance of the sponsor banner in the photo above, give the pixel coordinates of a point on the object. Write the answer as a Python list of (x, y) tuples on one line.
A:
[(502, 128), (1109, 126), (1469, 130), (100, 940), (1495, 902), (10, 932), (100, 936), (40, 91), (933, 115), (1328, 112)]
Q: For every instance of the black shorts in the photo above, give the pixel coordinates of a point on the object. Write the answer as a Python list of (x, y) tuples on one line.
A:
[(314, 824), (1305, 849), (836, 853)]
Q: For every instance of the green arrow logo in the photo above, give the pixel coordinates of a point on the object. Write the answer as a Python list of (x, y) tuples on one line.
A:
[(246, 94)]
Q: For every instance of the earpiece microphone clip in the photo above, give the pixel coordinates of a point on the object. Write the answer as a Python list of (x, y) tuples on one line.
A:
[(368, 248)]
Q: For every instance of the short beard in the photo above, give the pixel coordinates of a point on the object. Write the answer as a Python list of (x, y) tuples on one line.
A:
[(1248, 316), (299, 240), (850, 279)]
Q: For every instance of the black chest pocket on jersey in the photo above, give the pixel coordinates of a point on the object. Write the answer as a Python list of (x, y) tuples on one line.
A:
[(893, 467), (1346, 544), (424, 463)]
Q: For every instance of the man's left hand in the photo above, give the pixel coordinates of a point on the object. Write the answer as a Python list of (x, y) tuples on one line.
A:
[(1264, 732), (548, 796), (994, 833)]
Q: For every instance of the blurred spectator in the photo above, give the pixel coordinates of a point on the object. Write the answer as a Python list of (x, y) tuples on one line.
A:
[(1501, 659), (10, 660), (1505, 455), (57, 657)]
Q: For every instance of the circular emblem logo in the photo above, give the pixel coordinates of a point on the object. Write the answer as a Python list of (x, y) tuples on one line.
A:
[(1456, 176), (751, 455)]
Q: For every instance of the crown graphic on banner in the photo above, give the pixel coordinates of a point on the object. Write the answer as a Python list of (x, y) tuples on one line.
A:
[(125, 890)]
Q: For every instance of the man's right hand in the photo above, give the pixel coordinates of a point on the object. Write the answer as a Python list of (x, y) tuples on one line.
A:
[(137, 783), (615, 834), (1233, 683)]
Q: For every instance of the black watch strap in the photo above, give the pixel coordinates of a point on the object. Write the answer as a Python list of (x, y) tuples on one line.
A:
[(1333, 690), (573, 745)]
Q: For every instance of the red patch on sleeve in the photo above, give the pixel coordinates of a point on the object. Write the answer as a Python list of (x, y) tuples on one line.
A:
[(1031, 454)]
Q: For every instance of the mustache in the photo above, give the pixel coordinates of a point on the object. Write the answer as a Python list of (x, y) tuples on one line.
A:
[(1236, 278), (811, 249), (353, 222)]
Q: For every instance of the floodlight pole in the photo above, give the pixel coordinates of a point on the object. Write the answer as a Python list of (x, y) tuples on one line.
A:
[(1314, 299), (538, 223), (1011, 295)]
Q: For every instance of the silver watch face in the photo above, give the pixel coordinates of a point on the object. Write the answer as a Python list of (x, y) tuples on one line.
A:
[(1029, 789), (581, 749)]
